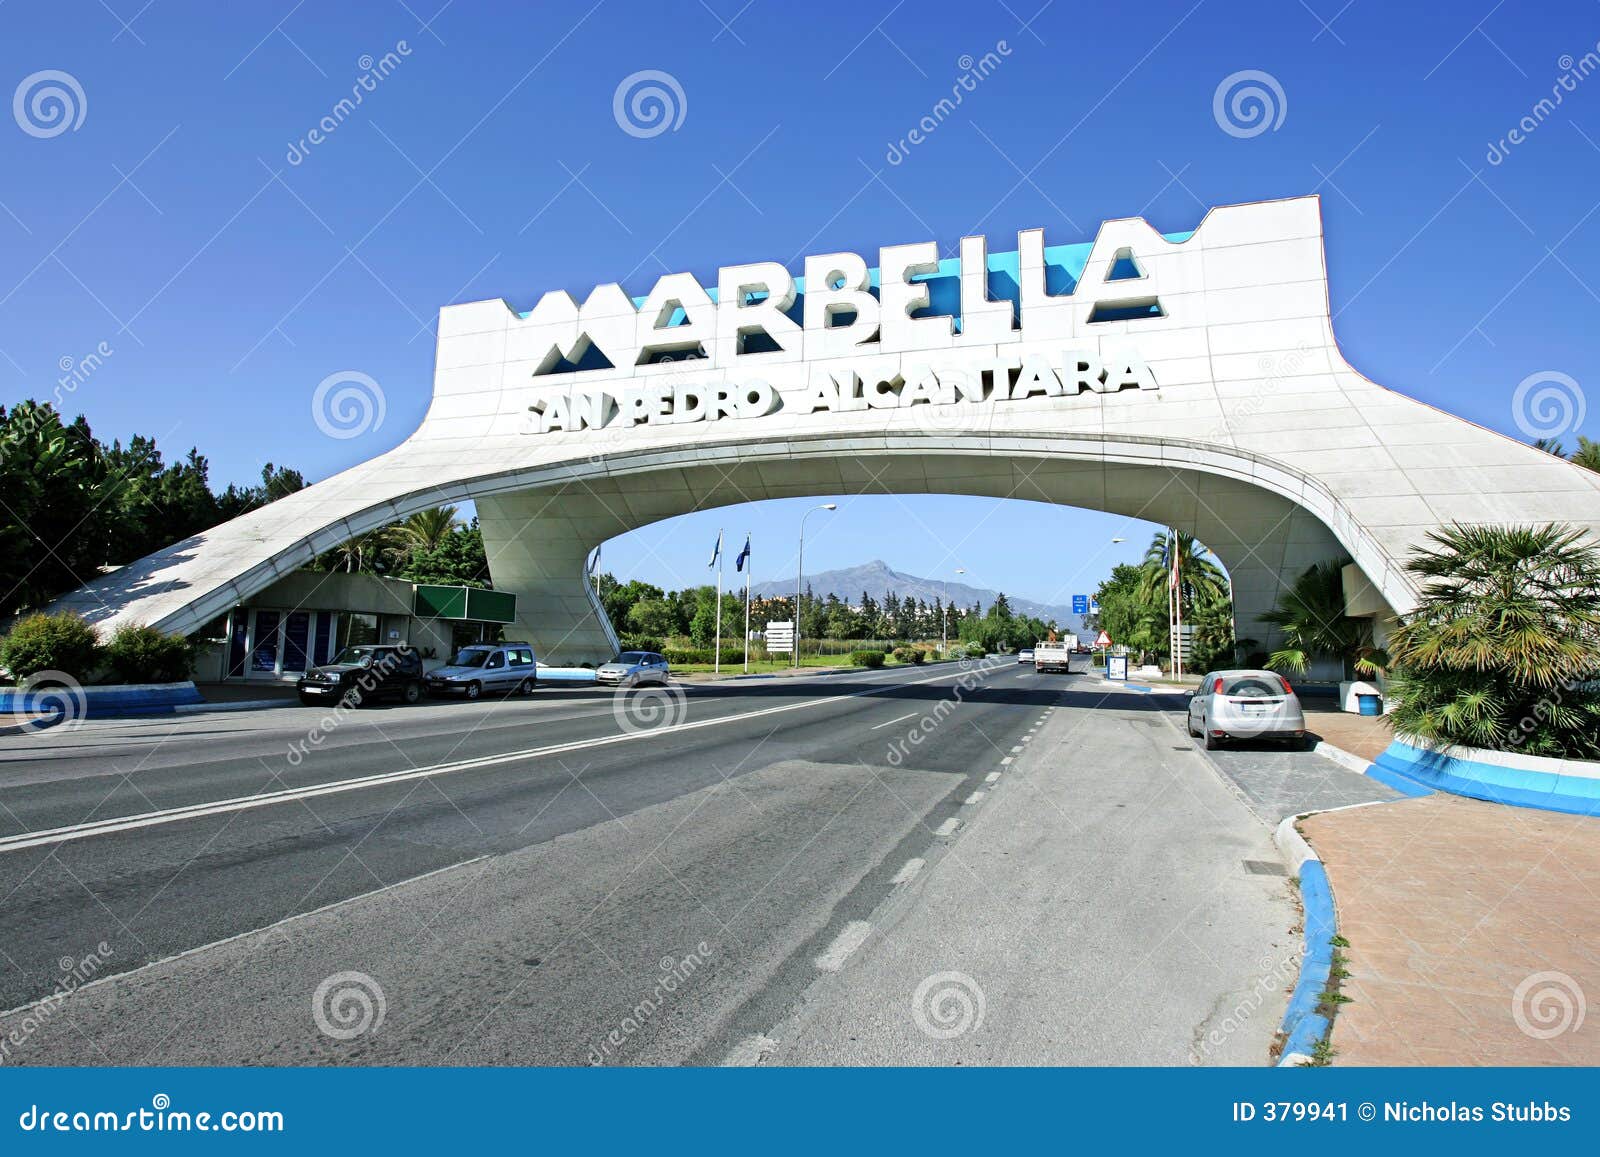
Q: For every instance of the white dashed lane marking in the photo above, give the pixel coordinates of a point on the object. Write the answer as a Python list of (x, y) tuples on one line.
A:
[(977, 797), (908, 871), (948, 828), (851, 937), (992, 777)]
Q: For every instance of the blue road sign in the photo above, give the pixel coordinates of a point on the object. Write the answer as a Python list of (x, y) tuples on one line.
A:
[(1080, 604)]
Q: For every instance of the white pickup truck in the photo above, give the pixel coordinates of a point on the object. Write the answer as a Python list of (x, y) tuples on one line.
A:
[(1050, 656)]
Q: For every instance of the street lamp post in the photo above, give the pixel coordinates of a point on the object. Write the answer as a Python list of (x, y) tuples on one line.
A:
[(800, 570), (944, 624)]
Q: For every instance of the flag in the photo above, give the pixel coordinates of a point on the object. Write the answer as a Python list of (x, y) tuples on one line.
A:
[(716, 552), (744, 555)]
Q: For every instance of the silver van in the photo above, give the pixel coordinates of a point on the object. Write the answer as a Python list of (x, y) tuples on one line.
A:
[(485, 668)]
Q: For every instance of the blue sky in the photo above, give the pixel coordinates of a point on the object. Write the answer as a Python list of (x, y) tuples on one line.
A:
[(227, 282)]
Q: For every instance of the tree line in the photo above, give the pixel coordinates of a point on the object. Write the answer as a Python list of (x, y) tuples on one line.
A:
[(642, 612)]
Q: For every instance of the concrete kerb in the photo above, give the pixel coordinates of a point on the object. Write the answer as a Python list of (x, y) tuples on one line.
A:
[(1304, 1027)]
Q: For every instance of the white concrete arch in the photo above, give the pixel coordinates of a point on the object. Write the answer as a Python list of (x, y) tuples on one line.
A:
[(1215, 400)]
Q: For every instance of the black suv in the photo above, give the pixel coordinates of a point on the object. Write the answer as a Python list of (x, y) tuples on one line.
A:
[(360, 675)]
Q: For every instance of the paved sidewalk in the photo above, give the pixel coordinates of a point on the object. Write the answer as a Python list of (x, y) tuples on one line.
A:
[(1474, 932), (1363, 735)]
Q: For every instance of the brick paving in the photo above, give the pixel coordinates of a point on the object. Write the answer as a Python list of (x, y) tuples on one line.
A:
[(1363, 735), (1450, 905)]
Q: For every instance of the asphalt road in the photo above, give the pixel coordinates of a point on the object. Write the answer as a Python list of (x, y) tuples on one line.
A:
[(575, 877)]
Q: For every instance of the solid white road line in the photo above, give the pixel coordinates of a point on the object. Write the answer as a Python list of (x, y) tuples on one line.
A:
[(382, 779), (908, 871), (948, 828), (892, 722), (851, 937)]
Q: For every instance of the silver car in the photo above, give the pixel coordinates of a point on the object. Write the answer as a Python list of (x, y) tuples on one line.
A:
[(1246, 705), (501, 668), (632, 668)]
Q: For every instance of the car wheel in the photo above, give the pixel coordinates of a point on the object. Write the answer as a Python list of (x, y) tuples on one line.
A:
[(474, 689), (411, 693), (529, 686), (351, 698), (1212, 742)]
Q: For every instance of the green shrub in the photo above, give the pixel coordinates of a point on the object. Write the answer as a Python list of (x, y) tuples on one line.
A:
[(689, 655), (976, 651), (641, 643), (866, 658), (918, 656), (60, 642), (140, 654), (911, 655)]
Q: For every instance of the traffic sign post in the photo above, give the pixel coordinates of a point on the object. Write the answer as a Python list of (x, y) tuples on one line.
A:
[(1080, 604), (780, 638)]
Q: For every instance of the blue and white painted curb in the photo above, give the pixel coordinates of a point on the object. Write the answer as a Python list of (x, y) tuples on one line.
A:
[(1559, 785), (111, 702), (1303, 1026)]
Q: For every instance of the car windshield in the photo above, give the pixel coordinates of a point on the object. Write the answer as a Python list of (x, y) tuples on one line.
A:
[(630, 657), (472, 657), (356, 656), (1252, 687)]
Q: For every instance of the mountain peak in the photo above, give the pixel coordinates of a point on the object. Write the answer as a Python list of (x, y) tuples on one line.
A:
[(877, 579)]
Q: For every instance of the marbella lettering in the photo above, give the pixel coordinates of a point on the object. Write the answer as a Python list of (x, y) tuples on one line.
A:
[(1010, 379)]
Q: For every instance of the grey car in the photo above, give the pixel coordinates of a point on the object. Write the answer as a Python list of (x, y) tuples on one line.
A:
[(632, 668), (1246, 705), (484, 668)]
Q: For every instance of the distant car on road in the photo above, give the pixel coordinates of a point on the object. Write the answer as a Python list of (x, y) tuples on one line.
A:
[(1246, 705), (632, 668), (359, 675), (1025, 655), (506, 668)]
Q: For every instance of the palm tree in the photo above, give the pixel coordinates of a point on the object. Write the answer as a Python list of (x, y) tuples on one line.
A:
[(1311, 616), (1550, 446), (1523, 600), (1201, 582), (1587, 454), (426, 529), (1506, 630), (367, 553)]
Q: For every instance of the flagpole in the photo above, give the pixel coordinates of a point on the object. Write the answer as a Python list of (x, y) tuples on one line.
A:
[(716, 655), (747, 565)]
